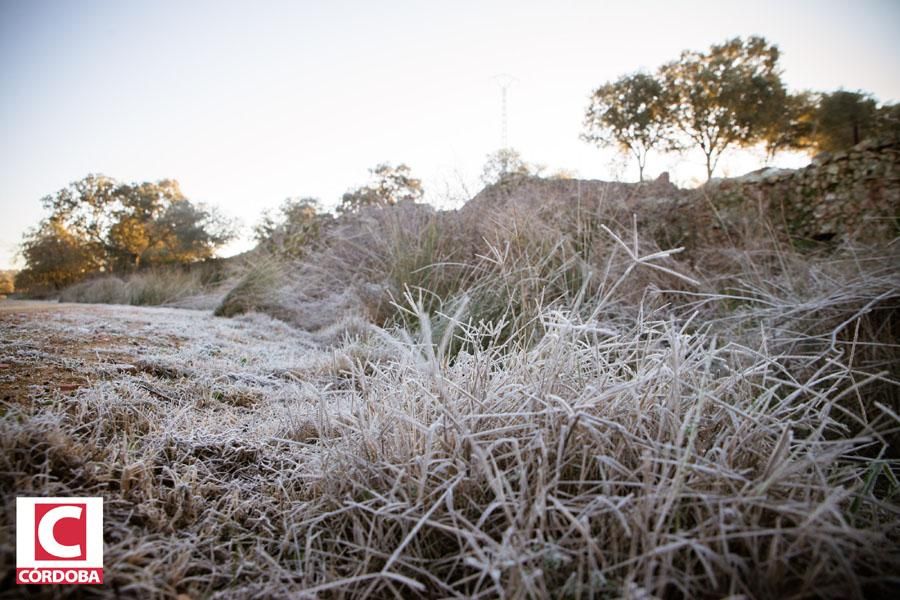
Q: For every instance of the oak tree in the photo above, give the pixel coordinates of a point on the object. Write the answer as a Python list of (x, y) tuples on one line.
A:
[(844, 119), (631, 113), (100, 224), (726, 97), (291, 230), (792, 126)]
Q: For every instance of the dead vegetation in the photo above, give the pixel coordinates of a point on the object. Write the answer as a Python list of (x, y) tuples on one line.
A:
[(200, 286), (540, 403)]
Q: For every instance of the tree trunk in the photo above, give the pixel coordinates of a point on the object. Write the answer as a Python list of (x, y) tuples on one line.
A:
[(709, 167), (641, 159)]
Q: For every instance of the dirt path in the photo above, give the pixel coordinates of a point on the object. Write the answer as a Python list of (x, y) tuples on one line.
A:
[(31, 306), (139, 404), (49, 349)]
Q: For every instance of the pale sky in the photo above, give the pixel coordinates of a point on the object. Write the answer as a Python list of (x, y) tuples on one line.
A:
[(247, 103)]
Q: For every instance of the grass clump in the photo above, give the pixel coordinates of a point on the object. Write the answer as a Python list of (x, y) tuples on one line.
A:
[(101, 290), (545, 405), (153, 287), (256, 290)]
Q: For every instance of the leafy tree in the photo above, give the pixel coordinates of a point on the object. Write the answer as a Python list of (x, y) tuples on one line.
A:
[(55, 257), (142, 217), (100, 224), (505, 164), (86, 209), (184, 232), (725, 97), (633, 114), (831, 122), (792, 127), (293, 229), (844, 119), (888, 120), (138, 224), (390, 185), (7, 282)]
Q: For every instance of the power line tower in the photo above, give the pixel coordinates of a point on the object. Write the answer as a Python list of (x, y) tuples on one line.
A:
[(505, 81)]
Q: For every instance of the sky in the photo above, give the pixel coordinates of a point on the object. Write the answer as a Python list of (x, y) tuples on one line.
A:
[(249, 103)]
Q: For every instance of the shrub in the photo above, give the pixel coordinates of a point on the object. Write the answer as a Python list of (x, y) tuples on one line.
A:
[(100, 290), (153, 287), (156, 287), (256, 290)]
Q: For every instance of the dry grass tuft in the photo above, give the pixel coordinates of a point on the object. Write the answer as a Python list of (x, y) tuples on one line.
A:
[(539, 404), (157, 287)]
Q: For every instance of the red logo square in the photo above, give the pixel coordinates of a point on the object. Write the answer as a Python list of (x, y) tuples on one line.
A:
[(60, 531)]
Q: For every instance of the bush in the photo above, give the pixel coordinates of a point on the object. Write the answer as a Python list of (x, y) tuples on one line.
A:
[(503, 261), (158, 286), (101, 290), (151, 288), (256, 290)]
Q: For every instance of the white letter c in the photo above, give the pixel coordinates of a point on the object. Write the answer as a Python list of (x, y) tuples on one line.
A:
[(45, 531)]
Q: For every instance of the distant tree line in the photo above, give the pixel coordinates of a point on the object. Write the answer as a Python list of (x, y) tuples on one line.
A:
[(730, 96), (98, 225)]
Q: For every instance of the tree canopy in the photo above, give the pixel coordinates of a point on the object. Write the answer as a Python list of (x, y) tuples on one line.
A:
[(728, 96), (389, 185), (791, 127), (293, 228), (98, 224), (7, 282), (844, 119), (633, 114), (504, 164)]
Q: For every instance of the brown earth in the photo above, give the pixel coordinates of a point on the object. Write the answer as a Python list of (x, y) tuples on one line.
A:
[(43, 352)]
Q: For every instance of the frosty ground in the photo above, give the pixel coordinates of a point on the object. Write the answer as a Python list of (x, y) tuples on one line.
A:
[(626, 452), (187, 384)]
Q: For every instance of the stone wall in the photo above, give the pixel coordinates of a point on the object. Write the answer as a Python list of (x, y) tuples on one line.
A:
[(846, 195)]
